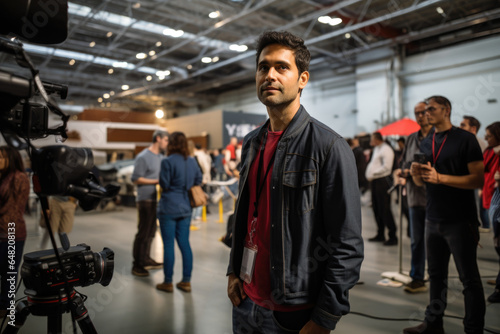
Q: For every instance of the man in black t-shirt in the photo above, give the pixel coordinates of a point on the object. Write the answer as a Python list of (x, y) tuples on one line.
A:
[(454, 170)]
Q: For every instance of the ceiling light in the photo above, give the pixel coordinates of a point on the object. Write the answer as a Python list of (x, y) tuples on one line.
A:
[(158, 44), (238, 48), (163, 73), (152, 52), (121, 64), (112, 93), (136, 5), (105, 95), (72, 62), (440, 10), (161, 77), (125, 87), (214, 15), (92, 44), (215, 59), (347, 35), (149, 78), (333, 21), (159, 113), (110, 71), (103, 104), (99, 100), (206, 60), (173, 32), (189, 66), (108, 104), (141, 55), (109, 34)]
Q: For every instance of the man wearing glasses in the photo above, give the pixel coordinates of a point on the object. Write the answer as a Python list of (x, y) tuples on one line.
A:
[(453, 170)]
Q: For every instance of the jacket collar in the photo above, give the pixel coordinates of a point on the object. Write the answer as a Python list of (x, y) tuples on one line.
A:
[(298, 123)]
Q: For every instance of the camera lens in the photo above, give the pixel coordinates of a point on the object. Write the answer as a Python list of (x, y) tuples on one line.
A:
[(104, 265)]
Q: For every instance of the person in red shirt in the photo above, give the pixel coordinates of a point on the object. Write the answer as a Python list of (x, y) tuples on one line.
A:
[(297, 246), (491, 188)]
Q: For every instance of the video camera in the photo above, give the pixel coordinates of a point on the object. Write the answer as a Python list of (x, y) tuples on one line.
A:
[(27, 102)]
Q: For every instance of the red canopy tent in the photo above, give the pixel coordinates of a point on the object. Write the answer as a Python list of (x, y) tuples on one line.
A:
[(403, 127)]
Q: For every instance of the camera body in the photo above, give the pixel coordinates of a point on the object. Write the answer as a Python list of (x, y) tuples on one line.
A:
[(41, 272)]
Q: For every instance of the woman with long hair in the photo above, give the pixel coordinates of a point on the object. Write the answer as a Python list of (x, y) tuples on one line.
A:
[(14, 193), (491, 191), (178, 173)]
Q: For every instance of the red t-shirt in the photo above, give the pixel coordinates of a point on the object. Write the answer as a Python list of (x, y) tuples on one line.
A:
[(259, 289), (491, 165)]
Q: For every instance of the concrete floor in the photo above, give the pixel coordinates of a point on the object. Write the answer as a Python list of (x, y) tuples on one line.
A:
[(132, 305)]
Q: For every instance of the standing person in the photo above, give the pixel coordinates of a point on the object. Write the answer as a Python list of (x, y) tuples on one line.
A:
[(416, 202), (297, 246), (472, 125), (179, 172), (61, 216), (454, 169), (230, 156), (360, 159), (378, 172), (146, 176), (14, 193), (490, 190)]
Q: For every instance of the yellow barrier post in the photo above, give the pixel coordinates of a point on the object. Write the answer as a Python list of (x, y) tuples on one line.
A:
[(204, 214), (221, 212)]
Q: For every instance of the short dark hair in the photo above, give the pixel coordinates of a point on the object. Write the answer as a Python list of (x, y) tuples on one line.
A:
[(161, 133), (289, 40), (377, 135), (439, 100), (177, 143), (494, 129), (473, 121)]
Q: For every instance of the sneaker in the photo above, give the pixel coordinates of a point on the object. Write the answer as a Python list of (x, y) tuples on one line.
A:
[(140, 271), (484, 230), (423, 328), (494, 297), (491, 282), (167, 287), (217, 196), (391, 242), (152, 264), (415, 286), (194, 228), (184, 286), (377, 239)]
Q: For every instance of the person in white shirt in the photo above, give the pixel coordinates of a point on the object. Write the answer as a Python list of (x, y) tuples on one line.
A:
[(378, 172)]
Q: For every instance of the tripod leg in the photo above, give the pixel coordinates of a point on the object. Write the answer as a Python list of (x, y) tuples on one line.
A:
[(81, 314), (20, 315), (54, 324)]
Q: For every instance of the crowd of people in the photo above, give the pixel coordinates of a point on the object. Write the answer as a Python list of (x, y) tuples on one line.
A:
[(451, 179), (296, 246)]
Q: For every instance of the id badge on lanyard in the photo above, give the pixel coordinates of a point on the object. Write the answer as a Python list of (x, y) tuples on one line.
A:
[(249, 256)]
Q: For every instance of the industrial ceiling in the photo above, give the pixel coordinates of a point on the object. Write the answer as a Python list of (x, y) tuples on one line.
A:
[(180, 55)]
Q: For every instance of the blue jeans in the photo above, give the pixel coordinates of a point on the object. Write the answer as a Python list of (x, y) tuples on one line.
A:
[(459, 239), (174, 227), (5, 268), (417, 226), (250, 318)]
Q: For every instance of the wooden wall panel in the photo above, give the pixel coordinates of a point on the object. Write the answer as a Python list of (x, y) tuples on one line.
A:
[(117, 116), (129, 135)]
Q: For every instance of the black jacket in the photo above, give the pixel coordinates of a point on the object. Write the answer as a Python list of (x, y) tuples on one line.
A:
[(316, 244)]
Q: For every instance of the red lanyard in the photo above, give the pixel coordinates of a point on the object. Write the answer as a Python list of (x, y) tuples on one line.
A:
[(434, 156)]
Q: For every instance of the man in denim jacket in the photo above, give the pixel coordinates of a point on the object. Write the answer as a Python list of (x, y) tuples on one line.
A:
[(297, 246)]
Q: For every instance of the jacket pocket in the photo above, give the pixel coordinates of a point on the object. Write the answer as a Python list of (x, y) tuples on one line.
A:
[(298, 190)]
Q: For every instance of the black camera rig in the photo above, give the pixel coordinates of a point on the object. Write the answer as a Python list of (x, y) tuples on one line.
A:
[(49, 275)]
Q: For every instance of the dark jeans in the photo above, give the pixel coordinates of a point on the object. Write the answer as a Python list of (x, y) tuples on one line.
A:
[(417, 226), (494, 213), (5, 269), (459, 239), (381, 202), (250, 318), (146, 231)]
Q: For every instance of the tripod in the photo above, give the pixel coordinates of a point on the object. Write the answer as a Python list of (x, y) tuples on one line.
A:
[(52, 307)]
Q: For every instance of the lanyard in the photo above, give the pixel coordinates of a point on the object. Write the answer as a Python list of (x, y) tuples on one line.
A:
[(260, 185), (434, 156)]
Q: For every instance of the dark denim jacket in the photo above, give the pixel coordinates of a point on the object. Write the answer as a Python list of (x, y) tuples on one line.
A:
[(316, 244)]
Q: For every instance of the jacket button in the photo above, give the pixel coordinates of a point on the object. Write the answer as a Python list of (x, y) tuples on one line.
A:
[(272, 267), (272, 225)]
